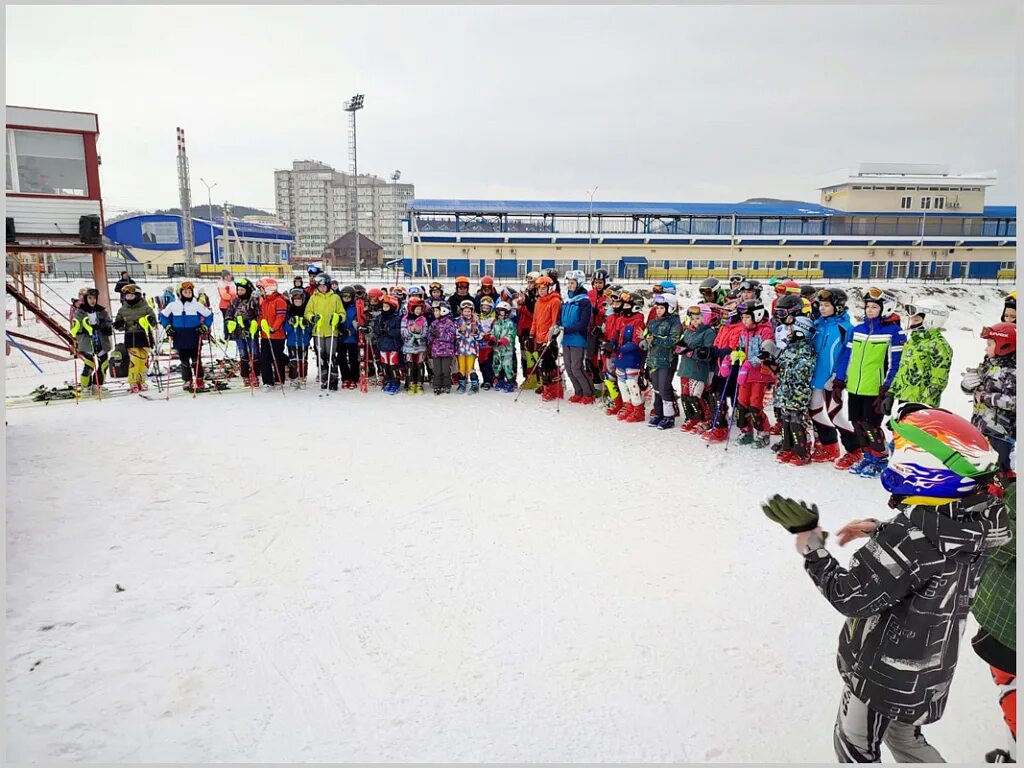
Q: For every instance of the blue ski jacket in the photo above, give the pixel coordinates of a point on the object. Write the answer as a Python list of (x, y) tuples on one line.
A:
[(575, 319), (830, 337)]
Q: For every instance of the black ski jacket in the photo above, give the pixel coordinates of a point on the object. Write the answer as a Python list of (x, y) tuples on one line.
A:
[(907, 594)]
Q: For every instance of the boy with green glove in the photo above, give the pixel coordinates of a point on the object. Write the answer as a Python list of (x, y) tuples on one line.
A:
[(906, 592)]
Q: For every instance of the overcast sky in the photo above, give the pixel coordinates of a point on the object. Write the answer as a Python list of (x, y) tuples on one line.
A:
[(680, 103)]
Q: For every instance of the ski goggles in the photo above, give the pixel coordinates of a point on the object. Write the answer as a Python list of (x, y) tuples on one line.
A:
[(824, 294), (874, 294), (781, 313), (656, 289)]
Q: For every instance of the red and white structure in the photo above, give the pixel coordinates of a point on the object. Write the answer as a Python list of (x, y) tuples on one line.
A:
[(53, 201)]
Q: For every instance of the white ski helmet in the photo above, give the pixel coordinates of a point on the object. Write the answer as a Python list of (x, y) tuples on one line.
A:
[(934, 316), (576, 274), (503, 305)]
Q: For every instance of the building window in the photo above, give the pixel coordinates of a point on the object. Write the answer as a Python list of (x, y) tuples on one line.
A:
[(899, 269), (905, 202), (878, 269), (43, 163), (926, 203), (748, 227), (940, 202)]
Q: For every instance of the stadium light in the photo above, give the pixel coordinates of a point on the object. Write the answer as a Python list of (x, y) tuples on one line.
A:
[(352, 106)]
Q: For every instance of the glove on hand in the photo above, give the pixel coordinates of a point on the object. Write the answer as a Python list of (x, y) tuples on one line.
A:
[(554, 333), (170, 331), (838, 386), (703, 354), (738, 356), (596, 332), (607, 347), (503, 343), (794, 516), (887, 403), (878, 402)]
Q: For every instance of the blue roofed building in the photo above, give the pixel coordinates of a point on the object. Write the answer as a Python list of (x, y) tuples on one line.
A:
[(879, 222)]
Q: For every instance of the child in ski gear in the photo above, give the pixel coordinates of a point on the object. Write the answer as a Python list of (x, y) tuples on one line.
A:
[(525, 303), (414, 336), (467, 345), (92, 329), (441, 342), (994, 387), (866, 369), (796, 365), (832, 331), (545, 332), (462, 294), (726, 377), (608, 333), (660, 339), (927, 357), (323, 313), (239, 320), (187, 322), (598, 298), (348, 337), (387, 330), (504, 332), (138, 320), (906, 593), (753, 377), (629, 358), (273, 316), (487, 341), (226, 293), (574, 319), (1009, 309), (696, 352), (298, 334), (995, 608)]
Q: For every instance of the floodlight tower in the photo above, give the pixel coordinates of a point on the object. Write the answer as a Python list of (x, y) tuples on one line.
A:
[(185, 197), (352, 106), (398, 216)]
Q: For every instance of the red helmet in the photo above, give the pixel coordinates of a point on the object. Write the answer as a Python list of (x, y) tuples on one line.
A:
[(390, 301), (375, 293), (487, 280), (415, 301), (1005, 337)]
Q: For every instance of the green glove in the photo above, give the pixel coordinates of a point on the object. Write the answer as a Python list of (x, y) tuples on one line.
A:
[(794, 516)]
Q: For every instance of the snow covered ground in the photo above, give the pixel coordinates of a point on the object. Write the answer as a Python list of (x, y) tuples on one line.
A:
[(421, 579)]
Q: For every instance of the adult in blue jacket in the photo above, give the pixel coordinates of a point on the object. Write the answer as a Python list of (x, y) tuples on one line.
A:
[(185, 321), (833, 331), (574, 322)]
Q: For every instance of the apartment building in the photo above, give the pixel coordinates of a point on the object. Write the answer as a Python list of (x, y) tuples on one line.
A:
[(316, 203)]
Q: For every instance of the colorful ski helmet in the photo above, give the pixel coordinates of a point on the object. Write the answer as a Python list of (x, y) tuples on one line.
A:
[(314, 269), (374, 293), (436, 286), (415, 290), (503, 305), (600, 274), (937, 454), (487, 280), (509, 294), (389, 301), (489, 300), (444, 310), (321, 281), (462, 280), (668, 286), (1009, 303), (544, 280), (467, 303), (1005, 337), (711, 314)]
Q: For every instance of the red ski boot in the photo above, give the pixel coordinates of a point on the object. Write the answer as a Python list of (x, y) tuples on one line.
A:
[(625, 412), (616, 406), (637, 414), (848, 460), (825, 453), (716, 435)]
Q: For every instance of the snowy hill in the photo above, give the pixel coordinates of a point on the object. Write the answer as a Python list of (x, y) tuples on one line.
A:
[(258, 577)]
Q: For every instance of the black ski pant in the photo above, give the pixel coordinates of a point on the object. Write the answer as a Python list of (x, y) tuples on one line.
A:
[(860, 731), (272, 361), (190, 364), (661, 379), (248, 356), (442, 372), (549, 364), (575, 368), (867, 423), (298, 361), (348, 360)]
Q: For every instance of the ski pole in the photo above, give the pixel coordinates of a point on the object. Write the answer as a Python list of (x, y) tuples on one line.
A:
[(265, 327), (74, 352), (534, 369), (725, 389), (335, 319), (150, 334), (363, 352)]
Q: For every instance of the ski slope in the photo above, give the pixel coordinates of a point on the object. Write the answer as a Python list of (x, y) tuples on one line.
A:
[(421, 578)]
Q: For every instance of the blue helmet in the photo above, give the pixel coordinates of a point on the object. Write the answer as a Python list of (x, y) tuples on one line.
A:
[(668, 286)]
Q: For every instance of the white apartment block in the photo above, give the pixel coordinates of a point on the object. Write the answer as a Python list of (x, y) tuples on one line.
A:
[(315, 203)]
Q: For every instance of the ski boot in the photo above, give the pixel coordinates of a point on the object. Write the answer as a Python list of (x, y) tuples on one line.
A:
[(669, 422), (654, 421), (616, 406), (487, 385), (999, 756), (626, 411), (636, 415), (865, 460), (575, 399), (875, 467), (463, 385), (716, 435), (776, 429), (849, 460), (746, 438), (474, 384), (553, 392), (761, 439), (825, 453)]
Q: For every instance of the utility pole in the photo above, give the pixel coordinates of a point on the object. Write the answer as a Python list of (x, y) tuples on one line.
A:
[(209, 212), (352, 106), (185, 198)]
